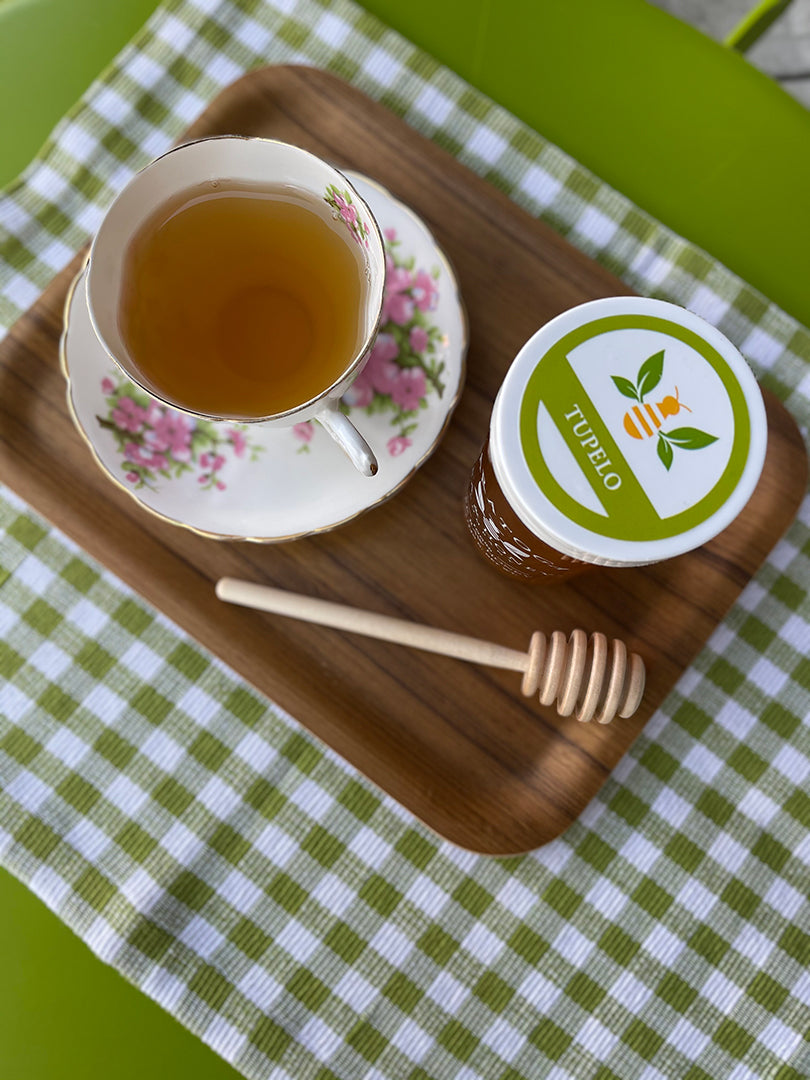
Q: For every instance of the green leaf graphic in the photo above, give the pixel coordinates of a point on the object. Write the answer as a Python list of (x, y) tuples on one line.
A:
[(649, 374), (664, 451), (624, 386), (690, 438)]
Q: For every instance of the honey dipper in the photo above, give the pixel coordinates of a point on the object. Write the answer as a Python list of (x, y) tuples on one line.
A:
[(577, 671)]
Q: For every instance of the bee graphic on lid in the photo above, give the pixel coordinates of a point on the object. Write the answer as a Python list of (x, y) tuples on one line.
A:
[(645, 419)]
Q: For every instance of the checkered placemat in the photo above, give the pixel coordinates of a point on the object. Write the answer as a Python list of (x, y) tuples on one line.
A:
[(302, 923)]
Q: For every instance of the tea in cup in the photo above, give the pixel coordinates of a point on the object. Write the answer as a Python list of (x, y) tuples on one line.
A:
[(241, 280)]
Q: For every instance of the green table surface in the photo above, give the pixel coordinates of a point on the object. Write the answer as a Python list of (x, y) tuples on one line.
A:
[(688, 130)]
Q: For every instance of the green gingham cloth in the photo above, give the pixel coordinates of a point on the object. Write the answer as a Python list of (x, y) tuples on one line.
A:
[(242, 875)]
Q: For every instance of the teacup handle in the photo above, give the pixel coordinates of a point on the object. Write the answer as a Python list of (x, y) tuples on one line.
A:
[(348, 438)]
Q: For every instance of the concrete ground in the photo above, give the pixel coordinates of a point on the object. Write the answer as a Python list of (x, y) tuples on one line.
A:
[(783, 51)]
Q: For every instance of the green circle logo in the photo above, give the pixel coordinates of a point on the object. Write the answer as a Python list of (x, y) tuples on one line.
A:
[(661, 427)]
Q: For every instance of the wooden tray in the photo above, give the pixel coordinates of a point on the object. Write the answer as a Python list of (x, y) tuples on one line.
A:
[(455, 744)]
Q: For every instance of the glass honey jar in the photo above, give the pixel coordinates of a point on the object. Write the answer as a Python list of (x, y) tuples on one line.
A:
[(627, 431)]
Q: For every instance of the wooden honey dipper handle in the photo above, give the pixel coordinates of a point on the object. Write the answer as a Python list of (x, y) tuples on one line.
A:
[(583, 675)]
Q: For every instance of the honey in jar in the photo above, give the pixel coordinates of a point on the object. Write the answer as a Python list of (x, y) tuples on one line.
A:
[(627, 431)]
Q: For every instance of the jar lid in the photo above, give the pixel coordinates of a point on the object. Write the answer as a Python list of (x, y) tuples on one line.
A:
[(628, 430)]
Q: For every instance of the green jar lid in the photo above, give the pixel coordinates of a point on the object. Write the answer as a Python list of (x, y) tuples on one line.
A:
[(627, 431)]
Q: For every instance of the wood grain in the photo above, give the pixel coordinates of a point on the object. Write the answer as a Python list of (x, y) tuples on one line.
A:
[(454, 743)]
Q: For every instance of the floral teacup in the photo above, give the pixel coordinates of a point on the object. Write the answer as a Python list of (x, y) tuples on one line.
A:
[(243, 161)]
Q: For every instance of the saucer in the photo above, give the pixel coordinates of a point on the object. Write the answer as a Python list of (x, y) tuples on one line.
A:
[(250, 482)]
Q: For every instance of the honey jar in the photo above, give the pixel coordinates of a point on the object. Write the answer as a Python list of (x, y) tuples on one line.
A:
[(627, 431)]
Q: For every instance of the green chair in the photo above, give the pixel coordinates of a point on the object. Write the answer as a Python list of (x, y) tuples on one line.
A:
[(751, 28)]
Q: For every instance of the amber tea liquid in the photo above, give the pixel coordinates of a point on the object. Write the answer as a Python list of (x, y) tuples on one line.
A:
[(241, 301)]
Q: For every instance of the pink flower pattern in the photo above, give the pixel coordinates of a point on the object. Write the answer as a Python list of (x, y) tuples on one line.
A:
[(403, 367), (418, 339), (172, 431), (360, 394), (128, 416), (425, 293), (398, 303), (344, 210), (153, 461), (156, 441), (303, 431), (347, 212), (398, 445), (238, 441), (381, 370), (409, 389)]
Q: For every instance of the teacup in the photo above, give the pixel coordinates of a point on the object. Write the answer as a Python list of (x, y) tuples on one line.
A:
[(268, 168)]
